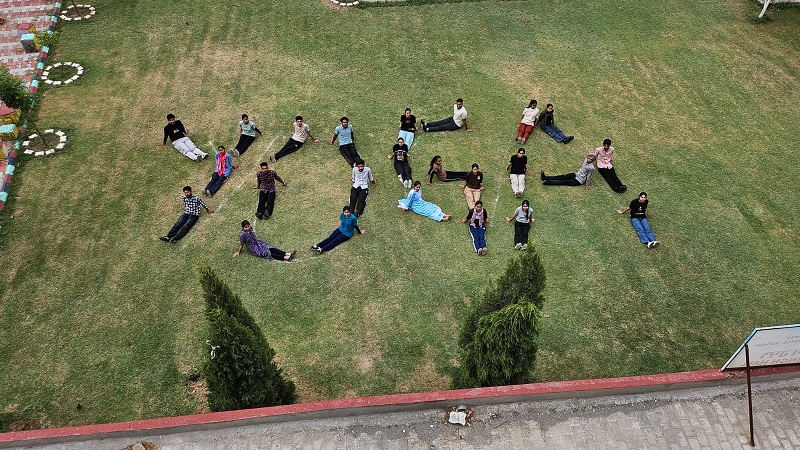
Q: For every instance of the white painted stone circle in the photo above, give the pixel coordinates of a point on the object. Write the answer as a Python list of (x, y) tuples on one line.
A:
[(338, 3), (46, 73), (62, 141), (91, 13)]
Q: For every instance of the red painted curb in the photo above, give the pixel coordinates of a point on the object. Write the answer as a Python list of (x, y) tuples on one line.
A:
[(461, 395)]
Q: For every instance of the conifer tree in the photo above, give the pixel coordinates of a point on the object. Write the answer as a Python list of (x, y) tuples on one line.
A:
[(499, 337), (241, 371)]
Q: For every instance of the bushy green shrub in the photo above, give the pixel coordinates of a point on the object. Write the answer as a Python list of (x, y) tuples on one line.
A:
[(241, 372), (499, 337)]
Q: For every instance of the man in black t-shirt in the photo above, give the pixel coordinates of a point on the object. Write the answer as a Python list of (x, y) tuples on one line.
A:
[(176, 133)]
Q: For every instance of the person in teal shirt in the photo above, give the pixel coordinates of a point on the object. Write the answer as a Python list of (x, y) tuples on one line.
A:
[(248, 136), (346, 230)]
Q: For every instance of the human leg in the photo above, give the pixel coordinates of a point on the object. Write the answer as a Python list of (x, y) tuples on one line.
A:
[(567, 179), (408, 137), (336, 238), (610, 175), (441, 125), (406, 168), (244, 143), (476, 239), (187, 148), (361, 202), (528, 131), (471, 196), (518, 233), (279, 255), (515, 184), (270, 203), (211, 182), (178, 224), (290, 147), (190, 221), (349, 153), (521, 184), (456, 176), (554, 132), (643, 230), (262, 204), (216, 182)]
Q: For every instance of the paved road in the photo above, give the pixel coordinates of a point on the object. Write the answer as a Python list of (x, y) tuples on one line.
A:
[(696, 418)]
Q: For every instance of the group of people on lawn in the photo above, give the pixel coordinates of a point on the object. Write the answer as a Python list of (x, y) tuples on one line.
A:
[(361, 176)]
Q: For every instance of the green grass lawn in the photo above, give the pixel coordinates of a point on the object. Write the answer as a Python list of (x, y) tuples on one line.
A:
[(701, 103)]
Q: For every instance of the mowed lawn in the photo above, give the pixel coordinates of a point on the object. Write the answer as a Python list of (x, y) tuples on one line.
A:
[(702, 104)]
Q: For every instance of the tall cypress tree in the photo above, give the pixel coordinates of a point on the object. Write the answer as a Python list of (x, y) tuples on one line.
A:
[(499, 336), (242, 372)]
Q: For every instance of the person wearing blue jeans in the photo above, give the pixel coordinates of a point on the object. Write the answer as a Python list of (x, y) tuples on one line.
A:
[(637, 208), (477, 219), (222, 168), (547, 124), (346, 230)]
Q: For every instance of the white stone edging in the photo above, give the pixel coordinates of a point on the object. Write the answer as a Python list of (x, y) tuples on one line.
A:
[(91, 14), (337, 3), (46, 72), (62, 141)]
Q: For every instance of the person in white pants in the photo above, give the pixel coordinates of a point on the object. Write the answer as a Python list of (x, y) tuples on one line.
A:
[(176, 133)]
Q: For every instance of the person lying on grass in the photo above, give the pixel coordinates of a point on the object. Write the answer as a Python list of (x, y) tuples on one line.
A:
[(348, 227), (414, 202), (639, 221), (259, 248)]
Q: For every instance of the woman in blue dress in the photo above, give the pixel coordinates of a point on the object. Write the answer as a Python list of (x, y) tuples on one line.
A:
[(414, 202), (257, 247)]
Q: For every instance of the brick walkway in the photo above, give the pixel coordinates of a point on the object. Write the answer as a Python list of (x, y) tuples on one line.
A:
[(689, 410), (41, 14)]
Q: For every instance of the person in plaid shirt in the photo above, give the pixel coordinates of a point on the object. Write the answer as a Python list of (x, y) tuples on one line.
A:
[(266, 190), (189, 217)]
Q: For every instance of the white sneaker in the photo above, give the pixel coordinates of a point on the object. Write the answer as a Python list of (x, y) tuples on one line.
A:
[(524, 247), (518, 246), (400, 178), (655, 243), (649, 245)]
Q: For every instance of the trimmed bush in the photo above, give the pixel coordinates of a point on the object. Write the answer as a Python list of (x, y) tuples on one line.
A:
[(241, 373), (499, 337)]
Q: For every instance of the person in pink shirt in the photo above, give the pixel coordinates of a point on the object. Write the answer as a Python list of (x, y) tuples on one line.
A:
[(603, 155)]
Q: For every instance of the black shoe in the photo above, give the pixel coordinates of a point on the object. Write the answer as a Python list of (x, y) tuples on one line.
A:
[(424, 128), (164, 238), (623, 188), (541, 174), (259, 216), (568, 139), (266, 216)]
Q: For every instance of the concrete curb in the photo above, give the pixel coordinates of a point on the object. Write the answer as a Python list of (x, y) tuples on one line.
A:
[(394, 403)]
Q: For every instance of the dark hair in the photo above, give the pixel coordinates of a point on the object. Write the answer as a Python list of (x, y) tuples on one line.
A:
[(245, 223), (433, 160), (298, 118), (548, 105), (479, 202), (533, 102), (221, 147), (170, 116), (521, 150), (244, 116), (525, 202), (187, 188), (359, 162), (400, 139), (475, 166), (642, 193), (606, 141), (408, 109), (344, 118), (346, 208), (264, 164), (417, 183), (459, 100)]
